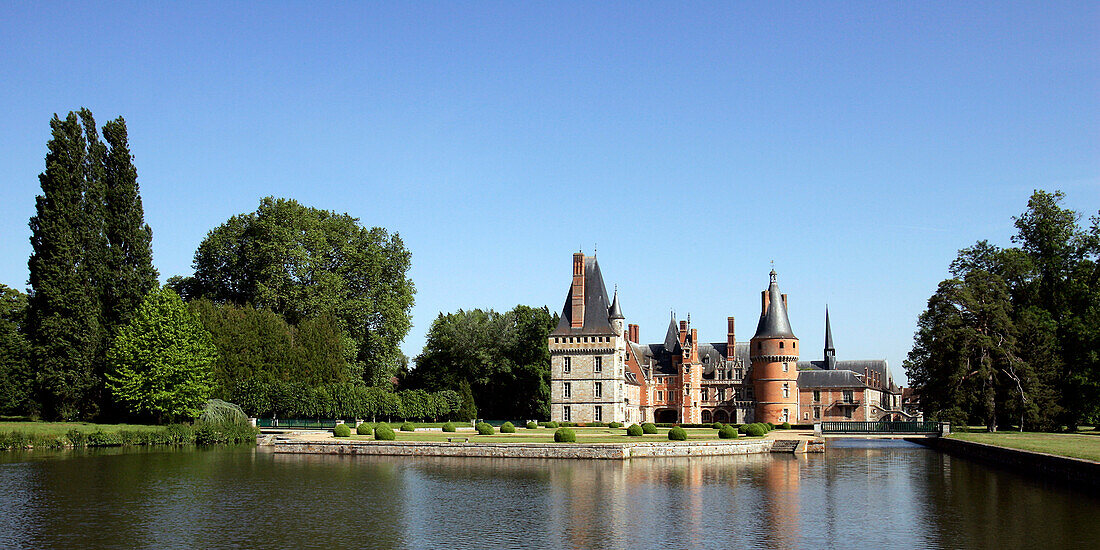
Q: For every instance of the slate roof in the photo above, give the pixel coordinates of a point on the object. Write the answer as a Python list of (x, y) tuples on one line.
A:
[(596, 305), (857, 366), (829, 379), (774, 322)]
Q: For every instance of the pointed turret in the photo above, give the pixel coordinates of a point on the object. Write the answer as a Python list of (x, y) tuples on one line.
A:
[(672, 337), (615, 312), (773, 316), (830, 352)]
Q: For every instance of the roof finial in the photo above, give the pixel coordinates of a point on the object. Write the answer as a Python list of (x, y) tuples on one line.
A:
[(595, 249)]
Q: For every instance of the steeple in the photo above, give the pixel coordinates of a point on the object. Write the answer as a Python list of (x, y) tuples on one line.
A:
[(672, 337), (830, 352), (615, 312), (773, 312)]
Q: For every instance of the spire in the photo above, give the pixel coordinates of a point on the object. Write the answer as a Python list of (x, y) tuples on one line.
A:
[(773, 316), (672, 337), (830, 352), (615, 312)]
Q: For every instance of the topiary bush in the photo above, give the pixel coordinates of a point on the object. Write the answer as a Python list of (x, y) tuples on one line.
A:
[(615, 425), (383, 432), (532, 425), (756, 429), (743, 429), (484, 428), (770, 426), (342, 430), (634, 430), (507, 428), (718, 425), (649, 428), (677, 434), (727, 432), (552, 425), (565, 435), (449, 427), (363, 429), (785, 425), (408, 427)]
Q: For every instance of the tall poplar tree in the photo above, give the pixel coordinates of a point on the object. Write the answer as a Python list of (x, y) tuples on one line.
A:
[(64, 312)]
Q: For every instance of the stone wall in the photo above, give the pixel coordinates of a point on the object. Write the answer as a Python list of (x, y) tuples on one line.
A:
[(600, 451), (1058, 468)]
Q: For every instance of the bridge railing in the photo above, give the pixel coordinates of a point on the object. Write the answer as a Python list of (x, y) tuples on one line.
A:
[(880, 427), (299, 423)]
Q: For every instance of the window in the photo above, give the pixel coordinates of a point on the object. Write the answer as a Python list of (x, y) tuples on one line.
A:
[(737, 374), (568, 390), (760, 345), (848, 396), (599, 364), (786, 390), (628, 415), (786, 366), (781, 345), (794, 345), (721, 394), (660, 395), (703, 394), (598, 391), (568, 364), (847, 412), (786, 416), (565, 415), (599, 413), (817, 413), (817, 396)]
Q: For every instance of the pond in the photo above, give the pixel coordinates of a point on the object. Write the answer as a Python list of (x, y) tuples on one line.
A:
[(860, 494)]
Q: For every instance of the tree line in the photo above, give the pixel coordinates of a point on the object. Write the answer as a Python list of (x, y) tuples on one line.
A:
[(1013, 336)]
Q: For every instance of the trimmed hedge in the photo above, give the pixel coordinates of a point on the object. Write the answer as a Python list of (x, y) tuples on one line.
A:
[(449, 427), (363, 429), (484, 428), (649, 428), (634, 430), (341, 430), (727, 432), (615, 425), (552, 425), (785, 426), (383, 432), (565, 435), (532, 425), (677, 434), (408, 427), (718, 425), (756, 429), (507, 428)]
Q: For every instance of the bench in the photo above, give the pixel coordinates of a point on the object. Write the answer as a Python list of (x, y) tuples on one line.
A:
[(453, 439)]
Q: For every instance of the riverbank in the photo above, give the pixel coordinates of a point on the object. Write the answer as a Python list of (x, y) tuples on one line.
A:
[(1085, 446), (61, 435), (1036, 464)]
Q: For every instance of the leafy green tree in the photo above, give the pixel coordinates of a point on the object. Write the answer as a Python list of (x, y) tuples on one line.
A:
[(162, 361), (16, 381), (302, 263)]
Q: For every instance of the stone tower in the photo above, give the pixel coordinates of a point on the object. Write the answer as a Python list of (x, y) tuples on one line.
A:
[(774, 357)]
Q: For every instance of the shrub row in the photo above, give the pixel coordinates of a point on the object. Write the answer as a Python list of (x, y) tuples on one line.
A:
[(344, 400), (174, 434), (756, 429)]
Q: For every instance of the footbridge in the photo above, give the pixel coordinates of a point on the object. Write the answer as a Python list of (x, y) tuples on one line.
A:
[(883, 428)]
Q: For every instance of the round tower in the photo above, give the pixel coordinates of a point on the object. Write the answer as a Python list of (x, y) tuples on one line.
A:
[(774, 356), (615, 316)]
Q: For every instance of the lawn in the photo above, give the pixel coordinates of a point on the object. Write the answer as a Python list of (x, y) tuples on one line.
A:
[(546, 435), (61, 428), (1071, 445)]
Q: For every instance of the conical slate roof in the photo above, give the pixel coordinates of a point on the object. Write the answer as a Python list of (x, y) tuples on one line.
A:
[(672, 337), (828, 332), (615, 312), (596, 304), (774, 322)]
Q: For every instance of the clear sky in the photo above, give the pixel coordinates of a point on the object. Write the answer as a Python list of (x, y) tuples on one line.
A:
[(857, 145)]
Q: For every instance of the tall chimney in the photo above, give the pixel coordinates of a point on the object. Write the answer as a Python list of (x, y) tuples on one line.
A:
[(632, 333), (731, 340), (683, 331), (784, 301), (764, 299), (577, 320)]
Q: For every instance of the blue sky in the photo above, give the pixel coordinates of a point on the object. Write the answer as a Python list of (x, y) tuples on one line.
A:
[(857, 145)]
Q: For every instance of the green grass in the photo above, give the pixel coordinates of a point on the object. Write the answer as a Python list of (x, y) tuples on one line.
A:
[(1071, 445), (61, 428), (546, 435)]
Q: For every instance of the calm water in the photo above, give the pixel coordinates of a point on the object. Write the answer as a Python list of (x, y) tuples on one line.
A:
[(861, 495)]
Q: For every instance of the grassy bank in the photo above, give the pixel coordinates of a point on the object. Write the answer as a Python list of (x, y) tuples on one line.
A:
[(546, 435), (1072, 445), (58, 435)]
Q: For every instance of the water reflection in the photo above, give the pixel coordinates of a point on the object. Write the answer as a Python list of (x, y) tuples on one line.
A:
[(864, 494)]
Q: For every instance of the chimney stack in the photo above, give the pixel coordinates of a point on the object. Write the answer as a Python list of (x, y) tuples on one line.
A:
[(577, 320), (632, 333), (784, 301), (683, 331), (731, 340), (764, 299)]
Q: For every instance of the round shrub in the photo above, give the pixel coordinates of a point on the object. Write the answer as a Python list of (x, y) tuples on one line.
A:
[(756, 430), (743, 429), (507, 428), (383, 432), (532, 425), (449, 427), (363, 429), (634, 430), (770, 426), (565, 435), (342, 430), (484, 428), (615, 425), (718, 425), (408, 427), (727, 432), (649, 428), (785, 426), (552, 425), (677, 434)]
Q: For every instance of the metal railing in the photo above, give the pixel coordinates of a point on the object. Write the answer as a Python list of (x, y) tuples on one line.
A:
[(298, 423), (880, 427)]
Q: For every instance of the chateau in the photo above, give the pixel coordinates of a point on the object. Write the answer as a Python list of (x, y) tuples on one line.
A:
[(600, 372)]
